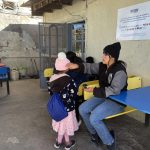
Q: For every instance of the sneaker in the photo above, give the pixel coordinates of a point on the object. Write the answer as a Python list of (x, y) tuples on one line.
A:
[(113, 145), (95, 139), (68, 147), (57, 145)]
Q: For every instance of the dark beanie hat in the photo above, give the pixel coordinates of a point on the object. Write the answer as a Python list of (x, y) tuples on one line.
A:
[(113, 50)]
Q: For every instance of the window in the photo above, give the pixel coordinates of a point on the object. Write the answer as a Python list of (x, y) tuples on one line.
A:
[(78, 38)]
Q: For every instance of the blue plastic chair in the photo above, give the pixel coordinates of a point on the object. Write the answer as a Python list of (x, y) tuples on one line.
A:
[(4, 77)]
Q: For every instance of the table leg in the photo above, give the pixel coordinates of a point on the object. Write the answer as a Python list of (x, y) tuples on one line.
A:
[(7, 83), (147, 117), (1, 83)]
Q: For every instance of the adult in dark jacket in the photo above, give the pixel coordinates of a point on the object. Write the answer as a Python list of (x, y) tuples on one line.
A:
[(78, 77), (112, 80), (91, 77), (75, 74)]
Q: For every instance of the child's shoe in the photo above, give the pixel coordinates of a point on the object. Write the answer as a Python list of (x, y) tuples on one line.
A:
[(72, 143), (57, 145)]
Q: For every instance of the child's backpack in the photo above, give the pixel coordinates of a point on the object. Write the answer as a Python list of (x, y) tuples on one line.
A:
[(56, 108)]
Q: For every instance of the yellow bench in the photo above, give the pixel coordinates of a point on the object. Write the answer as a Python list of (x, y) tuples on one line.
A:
[(48, 72), (133, 83), (89, 83)]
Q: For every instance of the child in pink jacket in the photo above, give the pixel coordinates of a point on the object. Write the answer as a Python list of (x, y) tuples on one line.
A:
[(65, 85)]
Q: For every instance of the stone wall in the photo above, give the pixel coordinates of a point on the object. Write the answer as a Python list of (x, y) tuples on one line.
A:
[(19, 40)]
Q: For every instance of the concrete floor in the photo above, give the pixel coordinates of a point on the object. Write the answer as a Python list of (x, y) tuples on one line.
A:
[(25, 124)]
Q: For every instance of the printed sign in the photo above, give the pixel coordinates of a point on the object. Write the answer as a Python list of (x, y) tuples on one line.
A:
[(134, 22)]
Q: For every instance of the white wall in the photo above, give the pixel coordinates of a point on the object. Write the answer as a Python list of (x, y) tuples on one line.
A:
[(101, 20)]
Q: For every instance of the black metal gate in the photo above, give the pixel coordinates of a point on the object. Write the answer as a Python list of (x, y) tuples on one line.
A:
[(53, 38)]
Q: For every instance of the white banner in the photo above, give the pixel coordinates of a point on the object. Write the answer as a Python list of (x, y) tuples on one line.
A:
[(133, 22)]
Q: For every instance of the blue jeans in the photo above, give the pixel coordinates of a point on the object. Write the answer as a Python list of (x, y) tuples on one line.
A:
[(93, 111)]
